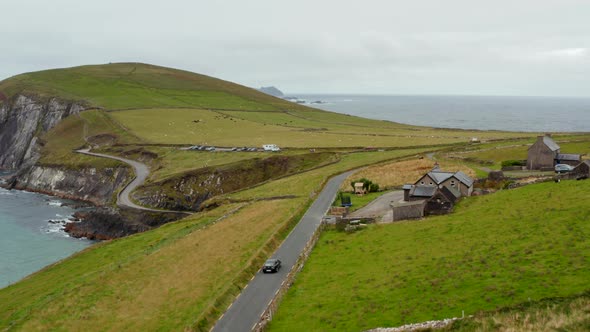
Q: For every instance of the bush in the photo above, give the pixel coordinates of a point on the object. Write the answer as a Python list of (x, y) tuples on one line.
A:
[(373, 187), (508, 163)]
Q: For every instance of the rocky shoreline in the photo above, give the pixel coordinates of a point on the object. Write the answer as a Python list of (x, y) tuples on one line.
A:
[(110, 223)]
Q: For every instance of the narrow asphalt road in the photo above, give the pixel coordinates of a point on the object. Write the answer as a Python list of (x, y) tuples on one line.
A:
[(249, 306), (141, 173)]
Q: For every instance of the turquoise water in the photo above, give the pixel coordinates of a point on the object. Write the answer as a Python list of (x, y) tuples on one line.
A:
[(28, 242)]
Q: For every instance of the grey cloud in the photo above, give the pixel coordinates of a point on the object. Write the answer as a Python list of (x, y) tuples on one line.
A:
[(526, 47)]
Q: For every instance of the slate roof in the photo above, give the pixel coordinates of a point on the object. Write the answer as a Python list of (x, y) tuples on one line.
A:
[(440, 177), (423, 191), (587, 162), (550, 143), (454, 191), (568, 156), (464, 178)]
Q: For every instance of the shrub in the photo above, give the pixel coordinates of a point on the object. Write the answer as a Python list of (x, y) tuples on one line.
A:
[(508, 163)]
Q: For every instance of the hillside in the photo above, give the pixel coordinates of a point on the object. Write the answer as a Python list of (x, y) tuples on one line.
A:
[(170, 278), (495, 251), (136, 85)]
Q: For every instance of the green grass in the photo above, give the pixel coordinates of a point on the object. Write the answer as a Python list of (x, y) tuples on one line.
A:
[(359, 202), (68, 136), (491, 155), (198, 126), (136, 85), (494, 251), (161, 279), (552, 314)]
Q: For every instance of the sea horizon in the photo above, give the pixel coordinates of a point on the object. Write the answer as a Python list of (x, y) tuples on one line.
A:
[(469, 112)]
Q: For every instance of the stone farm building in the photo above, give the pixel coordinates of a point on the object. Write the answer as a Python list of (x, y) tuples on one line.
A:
[(544, 154), (582, 171), (457, 180), (434, 193)]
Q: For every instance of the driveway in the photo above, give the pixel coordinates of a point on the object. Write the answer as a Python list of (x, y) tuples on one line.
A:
[(379, 208)]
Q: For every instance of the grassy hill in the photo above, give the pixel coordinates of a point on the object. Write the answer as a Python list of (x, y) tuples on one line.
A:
[(495, 251), (145, 105), (170, 278), (135, 85)]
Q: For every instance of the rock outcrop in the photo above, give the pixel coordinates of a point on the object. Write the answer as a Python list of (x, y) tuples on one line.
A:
[(22, 120), (88, 184), (110, 223), (189, 191)]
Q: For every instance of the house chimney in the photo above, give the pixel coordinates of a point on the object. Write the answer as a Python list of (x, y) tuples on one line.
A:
[(407, 188)]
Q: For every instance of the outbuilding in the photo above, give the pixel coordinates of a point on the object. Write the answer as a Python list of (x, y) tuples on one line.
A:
[(544, 154)]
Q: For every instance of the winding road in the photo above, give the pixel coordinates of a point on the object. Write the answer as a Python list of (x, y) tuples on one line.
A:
[(249, 306), (141, 173), (246, 311)]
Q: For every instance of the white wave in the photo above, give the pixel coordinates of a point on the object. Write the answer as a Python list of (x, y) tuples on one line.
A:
[(55, 203), (56, 227)]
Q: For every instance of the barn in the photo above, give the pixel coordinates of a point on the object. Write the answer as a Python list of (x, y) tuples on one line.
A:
[(544, 154)]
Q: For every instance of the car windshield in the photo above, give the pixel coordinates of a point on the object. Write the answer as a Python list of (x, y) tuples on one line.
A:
[(270, 262)]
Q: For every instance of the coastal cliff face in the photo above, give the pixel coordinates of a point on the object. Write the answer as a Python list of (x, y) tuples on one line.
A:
[(89, 184), (22, 120)]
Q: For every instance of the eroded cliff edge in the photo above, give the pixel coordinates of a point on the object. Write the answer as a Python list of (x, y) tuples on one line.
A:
[(23, 121)]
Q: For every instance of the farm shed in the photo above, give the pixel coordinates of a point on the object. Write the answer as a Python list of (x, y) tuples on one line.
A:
[(442, 201), (545, 153), (568, 158), (581, 171), (408, 210), (359, 188)]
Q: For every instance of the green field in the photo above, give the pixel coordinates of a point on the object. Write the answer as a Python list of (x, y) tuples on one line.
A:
[(494, 251), (491, 155), (162, 279), (170, 278)]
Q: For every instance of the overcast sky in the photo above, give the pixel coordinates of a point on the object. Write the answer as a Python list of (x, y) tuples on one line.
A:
[(500, 47)]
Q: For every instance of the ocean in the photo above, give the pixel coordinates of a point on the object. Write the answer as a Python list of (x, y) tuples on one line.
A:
[(28, 241), (530, 114)]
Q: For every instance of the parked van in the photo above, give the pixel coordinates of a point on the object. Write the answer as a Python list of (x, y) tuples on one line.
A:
[(271, 147)]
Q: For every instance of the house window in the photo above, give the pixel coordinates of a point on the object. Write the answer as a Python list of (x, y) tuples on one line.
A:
[(430, 183), (452, 183), (422, 182)]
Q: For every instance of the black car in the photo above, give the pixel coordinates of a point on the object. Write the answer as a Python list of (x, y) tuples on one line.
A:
[(271, 265)]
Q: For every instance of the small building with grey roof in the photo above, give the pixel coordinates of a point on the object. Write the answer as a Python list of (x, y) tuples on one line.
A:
[(545, 153), (457, 180), (434, 193)]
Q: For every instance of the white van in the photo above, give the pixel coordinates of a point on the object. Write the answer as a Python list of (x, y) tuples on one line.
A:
[(271, 147)]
